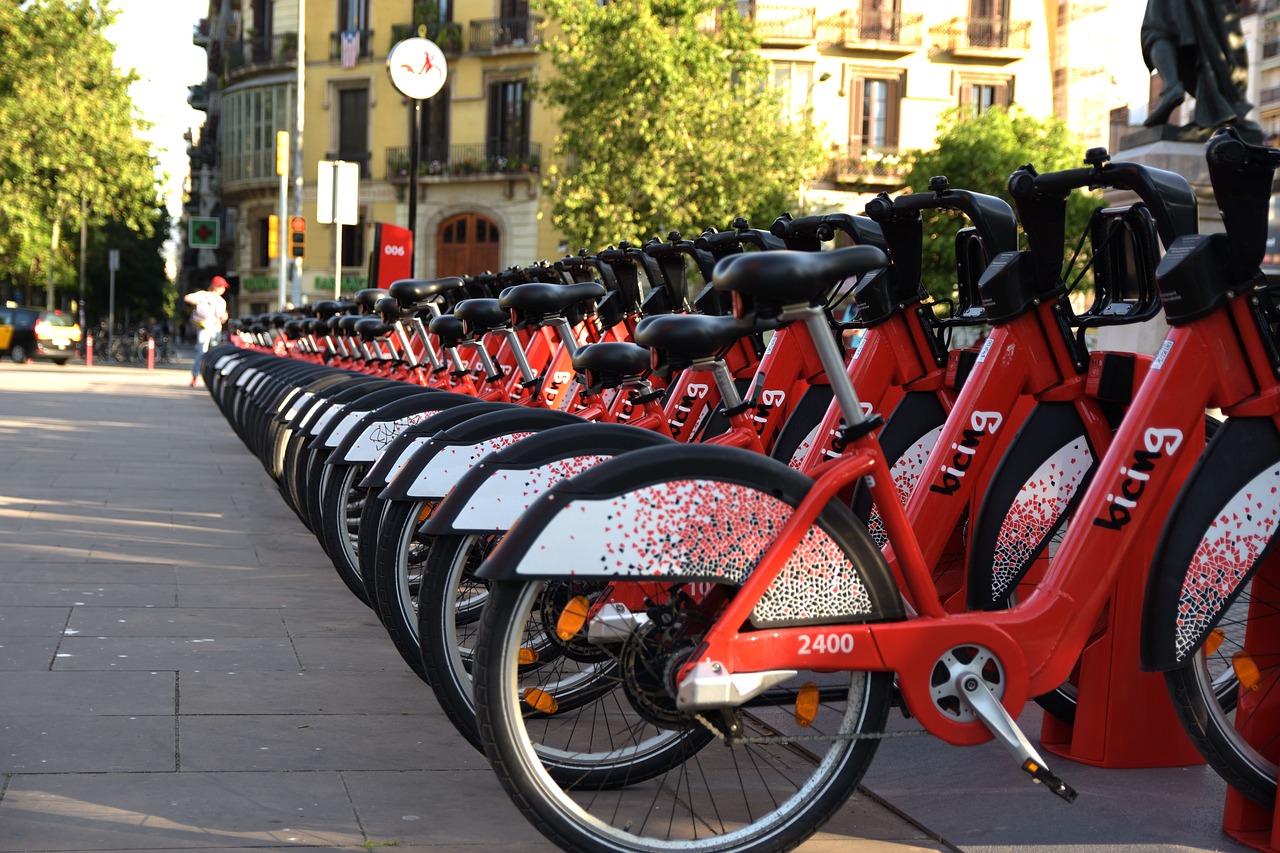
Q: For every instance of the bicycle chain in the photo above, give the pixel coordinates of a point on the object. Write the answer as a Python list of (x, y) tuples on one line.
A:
[(711, 727)]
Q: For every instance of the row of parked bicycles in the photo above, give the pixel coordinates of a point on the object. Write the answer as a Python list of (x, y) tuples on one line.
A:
[(668, 553)]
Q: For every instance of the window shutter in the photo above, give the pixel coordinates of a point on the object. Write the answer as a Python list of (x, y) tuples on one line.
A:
[(857, 110), (892, 108)]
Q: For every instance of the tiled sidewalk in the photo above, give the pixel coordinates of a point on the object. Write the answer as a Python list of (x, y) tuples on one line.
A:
[(180, 667)]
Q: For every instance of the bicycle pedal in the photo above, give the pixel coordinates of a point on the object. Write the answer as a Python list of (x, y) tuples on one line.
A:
[(1042, 775)]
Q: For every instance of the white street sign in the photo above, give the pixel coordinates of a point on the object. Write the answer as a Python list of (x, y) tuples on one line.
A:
[(341, 192), (417, 68)]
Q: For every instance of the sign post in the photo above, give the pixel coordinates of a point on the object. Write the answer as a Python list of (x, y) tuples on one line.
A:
[(282, 169), (418, 71), (337, 197), (113, 264)]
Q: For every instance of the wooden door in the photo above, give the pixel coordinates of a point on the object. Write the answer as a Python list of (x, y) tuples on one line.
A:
[(467, 244)]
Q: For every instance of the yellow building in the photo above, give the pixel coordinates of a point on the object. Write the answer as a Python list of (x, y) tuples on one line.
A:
[(877, 75)]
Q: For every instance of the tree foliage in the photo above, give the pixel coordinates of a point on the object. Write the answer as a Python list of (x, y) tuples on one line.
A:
[(667, 121), (979, 153), (68, 131)]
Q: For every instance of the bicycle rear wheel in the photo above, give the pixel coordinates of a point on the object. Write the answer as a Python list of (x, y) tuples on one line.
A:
[(620, 773), (1212, 616)]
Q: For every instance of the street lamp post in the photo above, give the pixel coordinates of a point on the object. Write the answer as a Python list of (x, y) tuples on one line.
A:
[(418, 71)]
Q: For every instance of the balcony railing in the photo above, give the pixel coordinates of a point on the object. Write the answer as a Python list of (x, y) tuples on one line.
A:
[(880, 166), (200, 33), (781, 23), (505, 33), (361, 157), (446, 34), (364, 50), (257, 51), (851, 29), (982, 35), (1269, 97), (1270, 48), (476, 159)]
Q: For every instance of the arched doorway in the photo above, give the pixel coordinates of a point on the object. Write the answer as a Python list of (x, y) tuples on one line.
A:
[(467, 244)]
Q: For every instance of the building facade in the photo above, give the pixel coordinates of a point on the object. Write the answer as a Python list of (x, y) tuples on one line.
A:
[(877, 75)]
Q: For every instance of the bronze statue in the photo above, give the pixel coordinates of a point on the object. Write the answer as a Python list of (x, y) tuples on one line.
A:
[(1198, 49)]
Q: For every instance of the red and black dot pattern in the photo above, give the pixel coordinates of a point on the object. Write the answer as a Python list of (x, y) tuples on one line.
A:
[(700, 530), (1038, 506), (1230, 548)]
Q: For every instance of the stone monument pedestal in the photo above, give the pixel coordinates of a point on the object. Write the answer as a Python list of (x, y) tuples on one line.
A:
[(1174, 149)]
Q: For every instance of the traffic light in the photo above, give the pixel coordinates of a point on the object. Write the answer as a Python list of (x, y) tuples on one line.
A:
[(273, 236), (297, 237)]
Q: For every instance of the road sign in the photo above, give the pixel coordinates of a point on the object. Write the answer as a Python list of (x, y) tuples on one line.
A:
[(417, 68), (203, 232), (338, 188)]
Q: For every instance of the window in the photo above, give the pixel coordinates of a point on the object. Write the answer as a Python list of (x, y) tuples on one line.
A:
[(514, 28), (467, 244), (508, 123), (250, 118), (982, 92), (988, 23), (352, 126), (353, 14), (875, 107), (433, 135), (878, 20), (794, 81)]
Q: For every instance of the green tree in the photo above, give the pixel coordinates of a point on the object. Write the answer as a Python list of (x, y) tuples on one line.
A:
[(68, 131), (667, 121), (979, 153), (143, 289)]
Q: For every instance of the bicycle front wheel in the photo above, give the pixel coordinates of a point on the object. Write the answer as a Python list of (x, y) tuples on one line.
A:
[(624, 772)]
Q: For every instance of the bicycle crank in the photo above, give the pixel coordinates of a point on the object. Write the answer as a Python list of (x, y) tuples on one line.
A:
[(967, 683)]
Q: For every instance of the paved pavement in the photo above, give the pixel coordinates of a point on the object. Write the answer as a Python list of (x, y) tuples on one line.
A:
[(181, 669)]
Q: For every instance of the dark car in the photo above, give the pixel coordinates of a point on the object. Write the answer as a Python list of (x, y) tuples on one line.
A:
[(30, 333)]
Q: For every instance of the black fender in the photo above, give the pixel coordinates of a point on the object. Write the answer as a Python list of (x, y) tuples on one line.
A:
[(401, 449), (907, 439), (435, 467), (800, 425), (1035, 486), (372, 433), (358, 409), (700, 514), (493, 493), (1220, 530), (340, 400)]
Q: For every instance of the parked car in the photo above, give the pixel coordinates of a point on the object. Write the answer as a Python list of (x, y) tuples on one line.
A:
[(30, 333)]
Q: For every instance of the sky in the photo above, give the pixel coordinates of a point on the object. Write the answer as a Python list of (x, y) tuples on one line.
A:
[(153, 37)]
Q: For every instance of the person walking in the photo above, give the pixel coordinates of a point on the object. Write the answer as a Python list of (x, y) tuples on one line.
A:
[(208, 313)]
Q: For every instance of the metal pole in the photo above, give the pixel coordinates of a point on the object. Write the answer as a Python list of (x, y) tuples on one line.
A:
[(111, 312), (282, 239), (53, 251), (413, 187), (337, 235), (84, 251), (299, 101)]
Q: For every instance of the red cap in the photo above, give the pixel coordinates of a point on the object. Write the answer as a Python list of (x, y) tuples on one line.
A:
[(218, 281)]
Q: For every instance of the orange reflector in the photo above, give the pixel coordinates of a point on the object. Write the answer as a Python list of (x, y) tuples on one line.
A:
[(572, 618), (427, 508), (528, 656), (1214, 640), (540, 700), (1246, 670), (807, 704)]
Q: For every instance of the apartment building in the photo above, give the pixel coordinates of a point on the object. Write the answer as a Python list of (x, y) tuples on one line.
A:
[(876, 74)]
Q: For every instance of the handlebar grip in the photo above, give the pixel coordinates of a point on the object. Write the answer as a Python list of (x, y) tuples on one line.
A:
[(1024, 184)]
